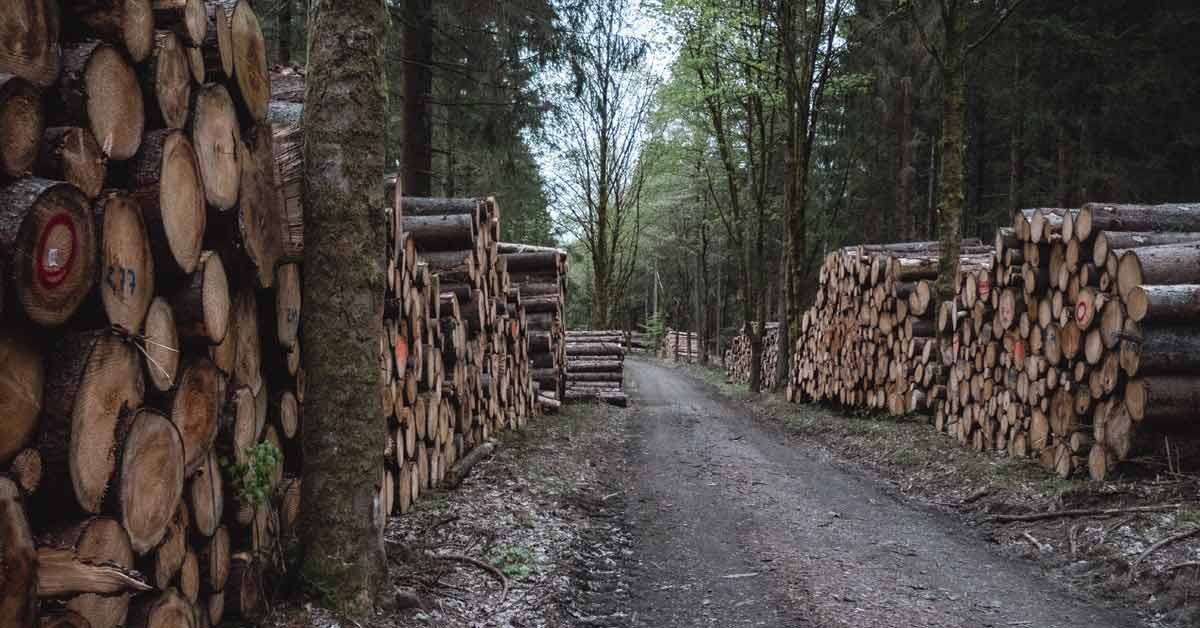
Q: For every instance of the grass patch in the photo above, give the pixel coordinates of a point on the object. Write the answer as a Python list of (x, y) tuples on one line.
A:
[(514, 561)]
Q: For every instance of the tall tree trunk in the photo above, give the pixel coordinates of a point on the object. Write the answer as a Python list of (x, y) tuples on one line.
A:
[(285, 32), (1015, 165), (418, 88), (951, 180), (344, 126)]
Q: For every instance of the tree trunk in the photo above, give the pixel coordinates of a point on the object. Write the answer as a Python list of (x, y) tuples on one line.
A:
[(950, 180), (344, 119), (418, 88)]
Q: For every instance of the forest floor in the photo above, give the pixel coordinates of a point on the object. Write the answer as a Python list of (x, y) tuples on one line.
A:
[(701, 505)]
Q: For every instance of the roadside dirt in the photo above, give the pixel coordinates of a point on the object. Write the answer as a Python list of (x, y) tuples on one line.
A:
[(703, 506)]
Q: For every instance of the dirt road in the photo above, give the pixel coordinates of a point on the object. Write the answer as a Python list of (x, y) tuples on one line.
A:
[(735, 523)]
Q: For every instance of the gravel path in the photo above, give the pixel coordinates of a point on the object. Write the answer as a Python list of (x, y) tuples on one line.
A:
[(736, 524)]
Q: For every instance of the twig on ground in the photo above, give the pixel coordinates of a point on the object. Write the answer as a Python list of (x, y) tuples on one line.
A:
[(1157, 546), (1190, 563), (1036, 543), (1071, 536), (1084, 512), (495, 573), (976, 496)]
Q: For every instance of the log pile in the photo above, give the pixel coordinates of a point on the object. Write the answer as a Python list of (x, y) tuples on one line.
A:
[(680, 346), (456, 357), (596, 366), (459, 346), (738, 356), (150, 315), (151, 235), (1069, 342), (540, 275)]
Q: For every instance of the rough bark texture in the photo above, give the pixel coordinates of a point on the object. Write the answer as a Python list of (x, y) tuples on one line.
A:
[(344, 148)]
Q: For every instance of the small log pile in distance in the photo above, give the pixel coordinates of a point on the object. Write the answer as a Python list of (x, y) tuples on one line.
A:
[(596, 366), (540, 275), (680, 346), (149, 327), (1069, 341), (737, 356)]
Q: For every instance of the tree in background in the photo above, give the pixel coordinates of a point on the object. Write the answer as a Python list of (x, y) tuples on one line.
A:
[(950, 47), (344, 129), (597, 146)]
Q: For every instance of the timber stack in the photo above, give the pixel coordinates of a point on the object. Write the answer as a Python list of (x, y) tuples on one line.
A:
[(1069, 342), (149, 330), (680, 346), (596, 366), (738, 356), (457, 341), (456, 349), (539, 274)]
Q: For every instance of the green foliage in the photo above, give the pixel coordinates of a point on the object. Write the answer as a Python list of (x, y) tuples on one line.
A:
[(656, 328), (515, 562), (252, 479)]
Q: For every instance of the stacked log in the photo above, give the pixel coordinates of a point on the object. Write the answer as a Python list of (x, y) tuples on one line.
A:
[(596, 366), (457, 356), (737, 358), (540, 275), (146, 304), (680, 346), (1069, 343)]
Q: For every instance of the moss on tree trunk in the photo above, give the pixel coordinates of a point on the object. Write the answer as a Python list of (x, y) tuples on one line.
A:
[(344, 125)]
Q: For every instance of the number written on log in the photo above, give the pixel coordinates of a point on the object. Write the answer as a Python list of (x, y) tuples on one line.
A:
[(120, 280), (292, 314)]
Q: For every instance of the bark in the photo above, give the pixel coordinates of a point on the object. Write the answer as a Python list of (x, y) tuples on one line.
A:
[(344, 142)]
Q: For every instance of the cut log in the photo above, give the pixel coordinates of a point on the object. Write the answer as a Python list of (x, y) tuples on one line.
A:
[(48, 245), (21, 124), (206, 497), (98, 89), (194, 407), (1160, 350), (260, 208), (287, 304), (1102, 217), (26, 470), (202, 306), (30, 45), (161, 345), (125, 23), (217, 139), (591, 349), (1109, 241), (216, 607), (1158, 265), (20, 392), (165, 178), (288, 145), (242, 590), (150, 483), (189, 577), (60, 573), (71, 154), (462, 468), (167, 83), (126, 283), (249, 60), (187, 18), (163, 564), (247, 369), (1163, 304), (238, 429), (18, 572), (214, 561), (1168, 398), (287, 414), (168, 609), (92, 380), (98, 541)]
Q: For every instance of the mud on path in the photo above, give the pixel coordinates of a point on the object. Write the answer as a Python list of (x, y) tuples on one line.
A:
[(736, 524)]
